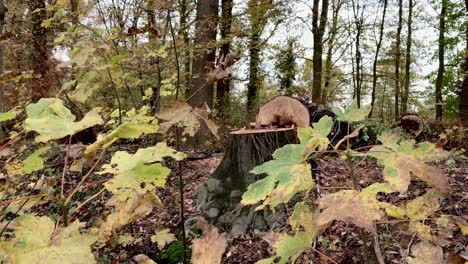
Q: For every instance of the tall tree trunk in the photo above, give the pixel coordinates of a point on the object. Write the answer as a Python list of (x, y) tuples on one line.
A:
[(376, 58), (254, 75), (336, 6), (2, 23), (359, 22), (440, 72), (463, 107), (318, 29), (405, 95), (184, 30), (39, 62), (204, 51), (155, 100), (397, 60), (222, 88)]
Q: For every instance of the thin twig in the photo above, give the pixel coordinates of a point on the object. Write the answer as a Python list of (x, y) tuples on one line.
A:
[(87, 201), (378, 252)]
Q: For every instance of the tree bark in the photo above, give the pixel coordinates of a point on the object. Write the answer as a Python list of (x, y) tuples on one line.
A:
[(223, 86), (440, 72), (2, 23), (184, 30), (318, 29), (204, 51), (463, 106), (359, 22), (39, 62), (155, 100), (405, 95), (376, 58), (254, 75), (336, 6), (397, 60)]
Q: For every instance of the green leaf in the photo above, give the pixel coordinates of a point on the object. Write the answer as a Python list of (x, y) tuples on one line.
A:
[(137, 125), (162, 238), (402, 159), (423, 206), (353, 113), (32, 163), (134, 170), (426, 253), (8, 115), (361, 208), (32, 242), (52, 120)]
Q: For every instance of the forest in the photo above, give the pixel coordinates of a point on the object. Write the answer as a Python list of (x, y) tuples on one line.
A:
[(233, 131)]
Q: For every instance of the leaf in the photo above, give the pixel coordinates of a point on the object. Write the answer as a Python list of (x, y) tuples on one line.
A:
[(137, 125), (163, 237), (210, 248), (353, 113), (129, 207), (426, 253), (32, 242), (52, 120), (32, 163), (424, 233), (133, 170), (128, 240), (8, 115), (402, 159), (181, 112), (361, 208), (143, 259), (423, 206)]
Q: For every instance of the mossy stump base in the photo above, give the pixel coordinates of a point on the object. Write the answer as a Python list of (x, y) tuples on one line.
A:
[(219, 197)]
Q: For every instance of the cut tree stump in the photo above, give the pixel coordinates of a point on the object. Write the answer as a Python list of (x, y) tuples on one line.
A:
[(219, 197)]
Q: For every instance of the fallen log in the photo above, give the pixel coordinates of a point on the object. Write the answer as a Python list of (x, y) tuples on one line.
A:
[(411, 124)]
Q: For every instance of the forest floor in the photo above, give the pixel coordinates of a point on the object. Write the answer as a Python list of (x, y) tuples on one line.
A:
[(339, 244)]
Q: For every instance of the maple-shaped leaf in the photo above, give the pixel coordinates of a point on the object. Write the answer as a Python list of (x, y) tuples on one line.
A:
[(423, 206), (163, 237), (426, 253), (181, 112), (403, 158), (32, 163), (52, 120), (288, 172), (8, 115), (129, 240), (32, 242), (135, 125), (353, 113), (129, 207), (210, 248), (361, 208), (134, 170), (303, 223)]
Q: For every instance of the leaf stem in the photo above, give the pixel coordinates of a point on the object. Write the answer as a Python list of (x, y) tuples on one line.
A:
[(87, 201)]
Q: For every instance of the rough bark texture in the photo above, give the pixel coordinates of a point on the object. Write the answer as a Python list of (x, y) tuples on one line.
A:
[(336, 6), (254, 74), (2, 23), (318, 29), (184, 30), (405, 94), (440, 72), (358, 11), (204, 51), (397, 60), (222, 88), (463, 107), (219, 197), (155, 100), (376, 58), (39, 61)]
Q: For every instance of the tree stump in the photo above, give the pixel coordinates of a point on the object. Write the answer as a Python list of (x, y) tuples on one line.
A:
[(219, 197)]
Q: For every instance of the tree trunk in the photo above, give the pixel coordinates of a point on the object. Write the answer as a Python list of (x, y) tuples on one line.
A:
[(359, 22), (184, 30), (376, 58), (2, 23), (336, 6), (318, 30), (204, 51), (405, 95), (39, 62), (222, 88), (155, 100), (254, 75), (397, 59), (463, 107), (219, 197), (440, 72)]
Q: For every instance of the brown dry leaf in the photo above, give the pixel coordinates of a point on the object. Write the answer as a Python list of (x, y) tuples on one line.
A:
[(143, 259), (210, 248), (426, 253)]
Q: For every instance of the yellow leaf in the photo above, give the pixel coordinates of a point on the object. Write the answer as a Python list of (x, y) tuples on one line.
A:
[(210, 248), (426, 253)]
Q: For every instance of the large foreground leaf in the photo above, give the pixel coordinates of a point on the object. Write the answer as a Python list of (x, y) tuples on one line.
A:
[(404, 158), (52, 120), (32, 243), (210, 248), (426, 253)]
